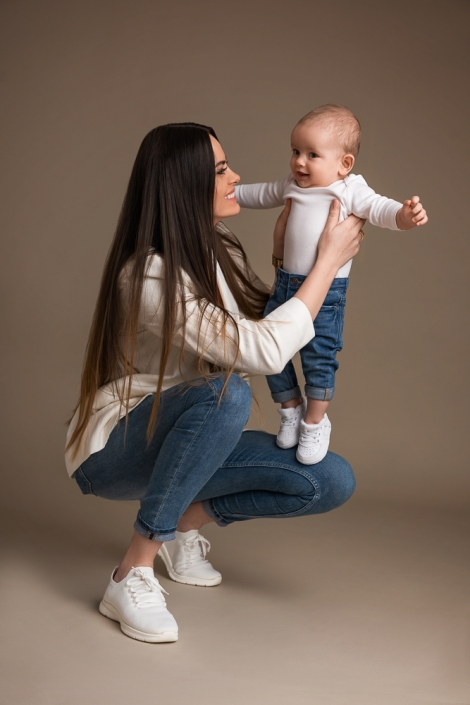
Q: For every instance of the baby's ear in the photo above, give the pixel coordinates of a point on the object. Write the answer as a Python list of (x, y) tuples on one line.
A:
[(347, 163)]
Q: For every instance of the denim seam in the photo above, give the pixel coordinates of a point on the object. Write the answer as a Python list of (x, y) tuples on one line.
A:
[(313, 501), (150, 530), (220, 520), (327, 392), (85, 479), (153, 535)]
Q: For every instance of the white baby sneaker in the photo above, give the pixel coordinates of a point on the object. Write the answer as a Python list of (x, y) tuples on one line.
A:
[(185, 559), (288, 435), (314, 441), (137, 603)]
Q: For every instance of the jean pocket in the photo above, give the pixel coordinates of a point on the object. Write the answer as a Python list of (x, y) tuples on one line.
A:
[(329, 325), (334, 299)]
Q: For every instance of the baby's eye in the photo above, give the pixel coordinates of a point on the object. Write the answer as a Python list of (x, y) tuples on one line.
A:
[(295, 151), (313, 155)]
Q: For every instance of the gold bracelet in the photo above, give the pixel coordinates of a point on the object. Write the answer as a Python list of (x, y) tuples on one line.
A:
[(277, 262)]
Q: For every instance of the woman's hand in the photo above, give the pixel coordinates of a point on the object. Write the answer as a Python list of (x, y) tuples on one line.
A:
[(280, 231), (339, 242)]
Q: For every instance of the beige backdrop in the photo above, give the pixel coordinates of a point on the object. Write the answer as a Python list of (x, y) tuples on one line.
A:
[(82, 84)]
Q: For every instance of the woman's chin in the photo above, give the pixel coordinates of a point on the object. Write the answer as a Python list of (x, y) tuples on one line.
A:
[(229, 212)]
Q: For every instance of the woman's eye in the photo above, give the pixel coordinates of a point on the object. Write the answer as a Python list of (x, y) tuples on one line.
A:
[(222, 171)]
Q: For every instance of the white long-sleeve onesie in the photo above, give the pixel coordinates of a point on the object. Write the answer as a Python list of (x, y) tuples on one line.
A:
[(309, 213)]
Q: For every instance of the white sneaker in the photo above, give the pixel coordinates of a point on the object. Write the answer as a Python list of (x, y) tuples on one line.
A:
[(185, 559), (137, 603), (314, 441), (288, 435)]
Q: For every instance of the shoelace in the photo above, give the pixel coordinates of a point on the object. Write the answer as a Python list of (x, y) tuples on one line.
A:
[(310, 437), (290, 420), (145, 590), (195, 548)]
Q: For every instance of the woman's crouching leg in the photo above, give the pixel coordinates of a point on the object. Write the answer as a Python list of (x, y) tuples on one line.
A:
[(260, 480), (195, 431), (193, 449)]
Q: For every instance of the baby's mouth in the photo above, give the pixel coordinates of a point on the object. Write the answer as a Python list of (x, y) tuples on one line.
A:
[(301, 174)]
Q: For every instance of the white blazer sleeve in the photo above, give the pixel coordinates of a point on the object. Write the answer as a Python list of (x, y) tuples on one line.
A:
[(366, 203), (266, 195), (264, 346)]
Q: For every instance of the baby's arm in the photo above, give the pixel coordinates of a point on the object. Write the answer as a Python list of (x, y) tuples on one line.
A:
[(365, 203), (382, 211), (411, 214), (266, 195)]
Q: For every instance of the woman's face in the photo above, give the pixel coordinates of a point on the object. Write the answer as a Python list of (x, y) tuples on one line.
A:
[(225, 203)]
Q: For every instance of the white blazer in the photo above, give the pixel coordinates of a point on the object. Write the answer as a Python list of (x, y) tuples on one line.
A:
[(264, 348)]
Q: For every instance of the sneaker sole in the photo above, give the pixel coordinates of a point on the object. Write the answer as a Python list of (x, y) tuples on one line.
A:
[(111, 612), (285, 446), (185, 579), (311, 462)]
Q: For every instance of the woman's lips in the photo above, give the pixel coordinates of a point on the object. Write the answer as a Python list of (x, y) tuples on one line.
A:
[(231, 196)]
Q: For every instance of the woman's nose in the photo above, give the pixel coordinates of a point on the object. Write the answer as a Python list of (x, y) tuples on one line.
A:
[(234, 178)]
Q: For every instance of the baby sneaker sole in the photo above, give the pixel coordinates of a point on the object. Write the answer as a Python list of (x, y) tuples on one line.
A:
[(316, 460), (286, 446)]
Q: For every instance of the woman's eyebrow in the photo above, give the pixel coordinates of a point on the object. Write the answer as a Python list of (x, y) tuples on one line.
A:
[(224, 161)]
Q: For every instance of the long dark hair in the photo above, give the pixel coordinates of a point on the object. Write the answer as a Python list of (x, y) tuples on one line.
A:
[(168, 210)]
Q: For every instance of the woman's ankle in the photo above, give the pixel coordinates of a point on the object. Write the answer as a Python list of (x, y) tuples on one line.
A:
[(125, 567), (141, 553), (193, 518)]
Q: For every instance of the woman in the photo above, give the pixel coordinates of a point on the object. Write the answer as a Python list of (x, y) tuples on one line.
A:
[(177, 325)]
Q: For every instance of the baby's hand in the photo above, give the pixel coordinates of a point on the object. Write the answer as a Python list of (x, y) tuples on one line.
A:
[(411, 214)]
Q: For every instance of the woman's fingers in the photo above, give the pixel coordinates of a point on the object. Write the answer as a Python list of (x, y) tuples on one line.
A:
[(281, 222), (280, 230), (285, 212), (340, 241), (333, 215)]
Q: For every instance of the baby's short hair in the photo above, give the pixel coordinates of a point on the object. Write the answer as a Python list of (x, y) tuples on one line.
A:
[(340, 119)]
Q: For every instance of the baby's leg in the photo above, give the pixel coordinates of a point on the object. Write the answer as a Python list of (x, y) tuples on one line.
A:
[(316, 410), (292, 403), (283, 386), (319, 363), (319, 366)]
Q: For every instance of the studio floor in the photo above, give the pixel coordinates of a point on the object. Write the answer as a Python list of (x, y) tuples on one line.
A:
[(366, 605)]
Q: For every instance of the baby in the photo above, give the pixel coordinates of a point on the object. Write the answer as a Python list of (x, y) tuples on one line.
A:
[(325, 144)]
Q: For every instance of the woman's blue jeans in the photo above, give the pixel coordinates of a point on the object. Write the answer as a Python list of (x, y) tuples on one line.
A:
[(199, 452)]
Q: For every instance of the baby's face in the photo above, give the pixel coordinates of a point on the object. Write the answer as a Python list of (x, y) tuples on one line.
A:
[(316, 155)]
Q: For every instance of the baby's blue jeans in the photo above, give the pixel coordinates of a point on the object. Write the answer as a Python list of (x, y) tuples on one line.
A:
[(319, 363), (199, 452)]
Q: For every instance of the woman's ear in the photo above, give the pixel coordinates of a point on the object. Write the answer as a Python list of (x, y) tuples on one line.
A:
[(347, 163)]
